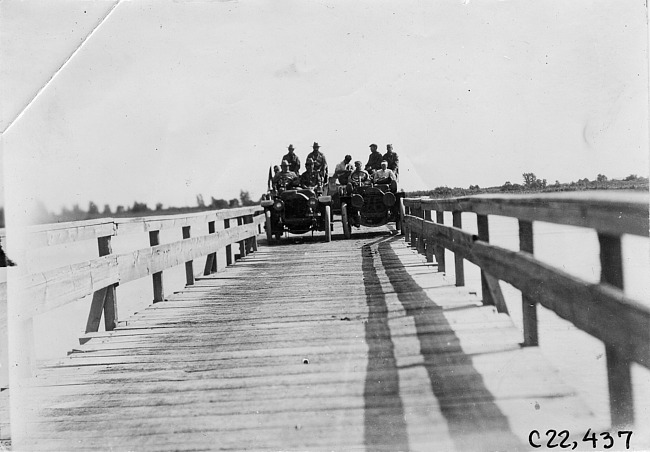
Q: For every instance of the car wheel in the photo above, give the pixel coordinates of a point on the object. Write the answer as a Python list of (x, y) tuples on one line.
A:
[(344, 219), (267, 226), (400, 217), (328, 227)]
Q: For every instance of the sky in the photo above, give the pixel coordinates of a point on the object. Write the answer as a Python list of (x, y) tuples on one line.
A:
[(159, 101)]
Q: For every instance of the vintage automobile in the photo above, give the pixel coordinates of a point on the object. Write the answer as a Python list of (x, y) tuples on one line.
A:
[(298, 210), (370, 205)]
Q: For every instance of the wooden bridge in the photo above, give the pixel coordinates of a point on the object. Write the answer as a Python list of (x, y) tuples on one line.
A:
[(360, 344)]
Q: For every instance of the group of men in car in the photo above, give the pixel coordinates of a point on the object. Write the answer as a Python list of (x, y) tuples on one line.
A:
[(380, 169)]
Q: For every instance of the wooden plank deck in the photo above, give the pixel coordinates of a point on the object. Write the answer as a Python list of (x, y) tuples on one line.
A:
[(350, 345)]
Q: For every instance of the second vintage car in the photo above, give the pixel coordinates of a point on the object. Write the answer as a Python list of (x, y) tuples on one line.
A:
[(370, 205)]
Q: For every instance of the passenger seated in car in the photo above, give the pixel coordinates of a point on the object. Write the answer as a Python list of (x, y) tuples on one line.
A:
[(285, 179), (310, 178), (343, 170), (359, 177), (383, 175)]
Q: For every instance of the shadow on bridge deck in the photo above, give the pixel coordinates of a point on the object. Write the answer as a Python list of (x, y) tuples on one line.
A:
[(477, 419)]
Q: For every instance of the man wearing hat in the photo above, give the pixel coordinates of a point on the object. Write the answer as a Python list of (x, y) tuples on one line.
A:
[(374, 161), (285, 178), (392, 159), (310, 178), (320, 163), (293, 160)]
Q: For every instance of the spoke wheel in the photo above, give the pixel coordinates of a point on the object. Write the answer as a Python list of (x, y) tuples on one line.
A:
[(344, 219)]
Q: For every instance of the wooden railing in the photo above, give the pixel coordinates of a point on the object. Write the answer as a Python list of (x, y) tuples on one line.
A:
[(4, 361), (602, 310), (41, 292)]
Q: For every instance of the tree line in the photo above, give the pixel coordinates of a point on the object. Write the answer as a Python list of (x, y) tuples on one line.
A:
[(532, 184), (137, 209)]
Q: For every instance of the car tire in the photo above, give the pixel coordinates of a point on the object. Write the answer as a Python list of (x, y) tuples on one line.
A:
[(328, 223), (399, 223), (347, 233), (267, 226)]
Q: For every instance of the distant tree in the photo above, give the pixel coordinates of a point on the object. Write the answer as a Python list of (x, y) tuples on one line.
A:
[(219, 203), (233, 203), (631, 177), (76, 210), (92, 208), (529, 179), (107, 210), (159, 207), (2, 217), (199, 201), (245, 198), (139, 207), (119, 209), (601, 178)]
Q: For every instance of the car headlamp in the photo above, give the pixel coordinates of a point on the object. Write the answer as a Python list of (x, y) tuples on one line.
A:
[(389, 199), (313, 203), (278, 205)]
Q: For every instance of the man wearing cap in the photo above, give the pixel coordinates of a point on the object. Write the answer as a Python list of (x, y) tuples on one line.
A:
[(392, 159), (285, 178), (374, 161), (293, 160), (359, 176), (320, 163), (310, 178)]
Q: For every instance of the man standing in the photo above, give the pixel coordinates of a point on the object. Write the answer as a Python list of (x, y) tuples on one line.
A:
[(392, 159), (293, 160), (374, 161), (320, 163)]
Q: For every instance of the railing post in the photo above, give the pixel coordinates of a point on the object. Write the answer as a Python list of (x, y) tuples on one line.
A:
[(528, 305), (440, 250), (405, 228), (158, 291), (429, 247), (242, 243), (226, 225), (458, 259), (211, 261), (189, 265), (104, 300), (490, 289), (420, 244), (619, 379), (251, 242)]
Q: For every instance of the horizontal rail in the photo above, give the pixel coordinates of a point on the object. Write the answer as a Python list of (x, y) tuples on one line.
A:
[(42, 292), (61, 233), (608, 212), (600, 310)]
